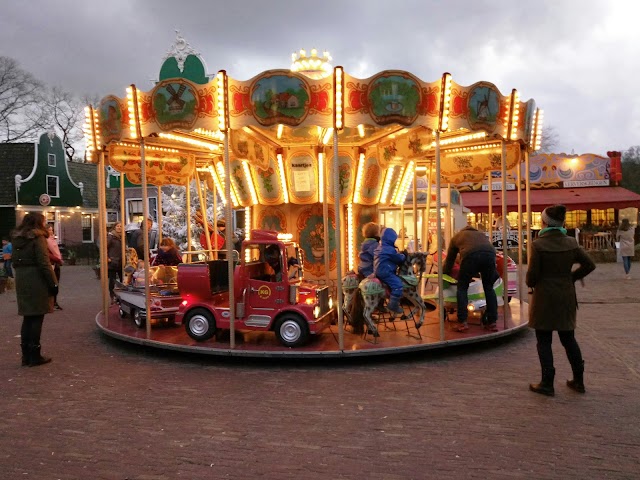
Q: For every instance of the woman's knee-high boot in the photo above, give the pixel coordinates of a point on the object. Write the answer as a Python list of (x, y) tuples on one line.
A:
[(35, 358), (25, 354), (577, 383), (545, 387)]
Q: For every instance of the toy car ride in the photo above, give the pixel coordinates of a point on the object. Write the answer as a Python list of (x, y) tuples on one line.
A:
[(270, 291)]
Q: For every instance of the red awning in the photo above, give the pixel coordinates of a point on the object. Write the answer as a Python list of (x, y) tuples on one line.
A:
[(585, 198)]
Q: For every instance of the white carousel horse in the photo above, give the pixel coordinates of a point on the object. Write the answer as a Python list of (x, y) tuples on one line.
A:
[(374, 292)]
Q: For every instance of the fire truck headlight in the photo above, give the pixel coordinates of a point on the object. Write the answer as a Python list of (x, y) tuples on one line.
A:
[(316, 311), (330, 303), (471, 307)]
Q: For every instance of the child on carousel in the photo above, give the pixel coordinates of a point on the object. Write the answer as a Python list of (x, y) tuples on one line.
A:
[(385, 264), (371, 234)]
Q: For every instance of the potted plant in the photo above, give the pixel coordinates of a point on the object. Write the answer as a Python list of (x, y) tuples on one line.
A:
[(71, 257)]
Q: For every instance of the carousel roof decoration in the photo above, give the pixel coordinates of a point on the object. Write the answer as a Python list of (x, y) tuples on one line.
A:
[(280, 126), (183, 61)]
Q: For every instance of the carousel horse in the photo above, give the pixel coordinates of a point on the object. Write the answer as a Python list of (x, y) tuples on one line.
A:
[(375, 292), (130, 265)]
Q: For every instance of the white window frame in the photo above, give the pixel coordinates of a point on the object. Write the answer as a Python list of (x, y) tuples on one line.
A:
[(57, 186), (90, 215), (153, 203), (51, 156)]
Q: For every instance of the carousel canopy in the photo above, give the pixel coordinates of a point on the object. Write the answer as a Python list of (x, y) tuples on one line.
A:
[(280, 127)]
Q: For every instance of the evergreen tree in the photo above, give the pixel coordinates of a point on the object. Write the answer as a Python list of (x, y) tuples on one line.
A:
[(174, 220)]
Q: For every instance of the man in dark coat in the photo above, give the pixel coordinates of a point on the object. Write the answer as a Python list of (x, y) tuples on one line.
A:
[(554, 303), (137, 238), (477, 255), (385, 264)]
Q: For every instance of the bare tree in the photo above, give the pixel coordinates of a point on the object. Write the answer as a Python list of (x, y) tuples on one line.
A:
[(65, 113), (549, 141), (21, 114)]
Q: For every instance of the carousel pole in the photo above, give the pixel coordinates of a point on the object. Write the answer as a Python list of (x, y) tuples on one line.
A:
[(505, 251), (402, 233), (519, 196), (215, 215), (188, 200), (205, 196), (527, 193), (336, 192), (145, 208), (123, 243), (447, 220), (223, 125), (415, 213), (439, 240), (159, 215), (227, 211), (425, 221), (203, 211), (490, 206), (145, 232), (325, 219), (102, 222), (338, 124)]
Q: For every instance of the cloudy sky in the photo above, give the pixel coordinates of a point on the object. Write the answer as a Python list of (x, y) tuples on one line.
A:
[(578, 59)]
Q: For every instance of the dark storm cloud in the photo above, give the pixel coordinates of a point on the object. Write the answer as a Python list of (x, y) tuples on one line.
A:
[(576, 59)]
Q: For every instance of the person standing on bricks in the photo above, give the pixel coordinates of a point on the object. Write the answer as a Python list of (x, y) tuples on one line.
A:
[(35, 283), (554, 303)]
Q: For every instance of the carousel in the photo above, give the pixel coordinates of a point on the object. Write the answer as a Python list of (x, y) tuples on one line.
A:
[(305, 157)]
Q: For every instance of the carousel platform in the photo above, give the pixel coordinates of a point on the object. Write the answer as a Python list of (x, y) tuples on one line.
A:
[(395, 337)]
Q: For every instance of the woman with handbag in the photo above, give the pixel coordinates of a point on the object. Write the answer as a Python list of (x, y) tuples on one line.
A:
[(35, 284)]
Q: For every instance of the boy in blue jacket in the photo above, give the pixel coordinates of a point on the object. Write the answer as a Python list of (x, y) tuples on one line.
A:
[(371, 233), (385, 264)]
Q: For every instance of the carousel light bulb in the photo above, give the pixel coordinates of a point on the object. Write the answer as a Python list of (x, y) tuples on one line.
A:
[(350, 236), (321, 177), (327, 135), (387, 185), (283, 178), (252, 189), (359, 175)]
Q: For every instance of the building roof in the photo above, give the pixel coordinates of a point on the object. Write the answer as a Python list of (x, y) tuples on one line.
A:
[(87, 173), (15, 159), (18, 159), (585, 198)]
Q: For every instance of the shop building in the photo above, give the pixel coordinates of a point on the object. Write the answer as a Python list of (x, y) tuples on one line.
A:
[(589, 185)]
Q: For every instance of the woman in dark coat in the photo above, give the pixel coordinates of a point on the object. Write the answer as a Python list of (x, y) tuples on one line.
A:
[(554, 303), (114, 257), (35, 283)]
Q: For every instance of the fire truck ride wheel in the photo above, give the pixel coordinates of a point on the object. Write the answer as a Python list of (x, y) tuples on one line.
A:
[(122, 313), (138, 319), (291, 330), (200, 324)]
